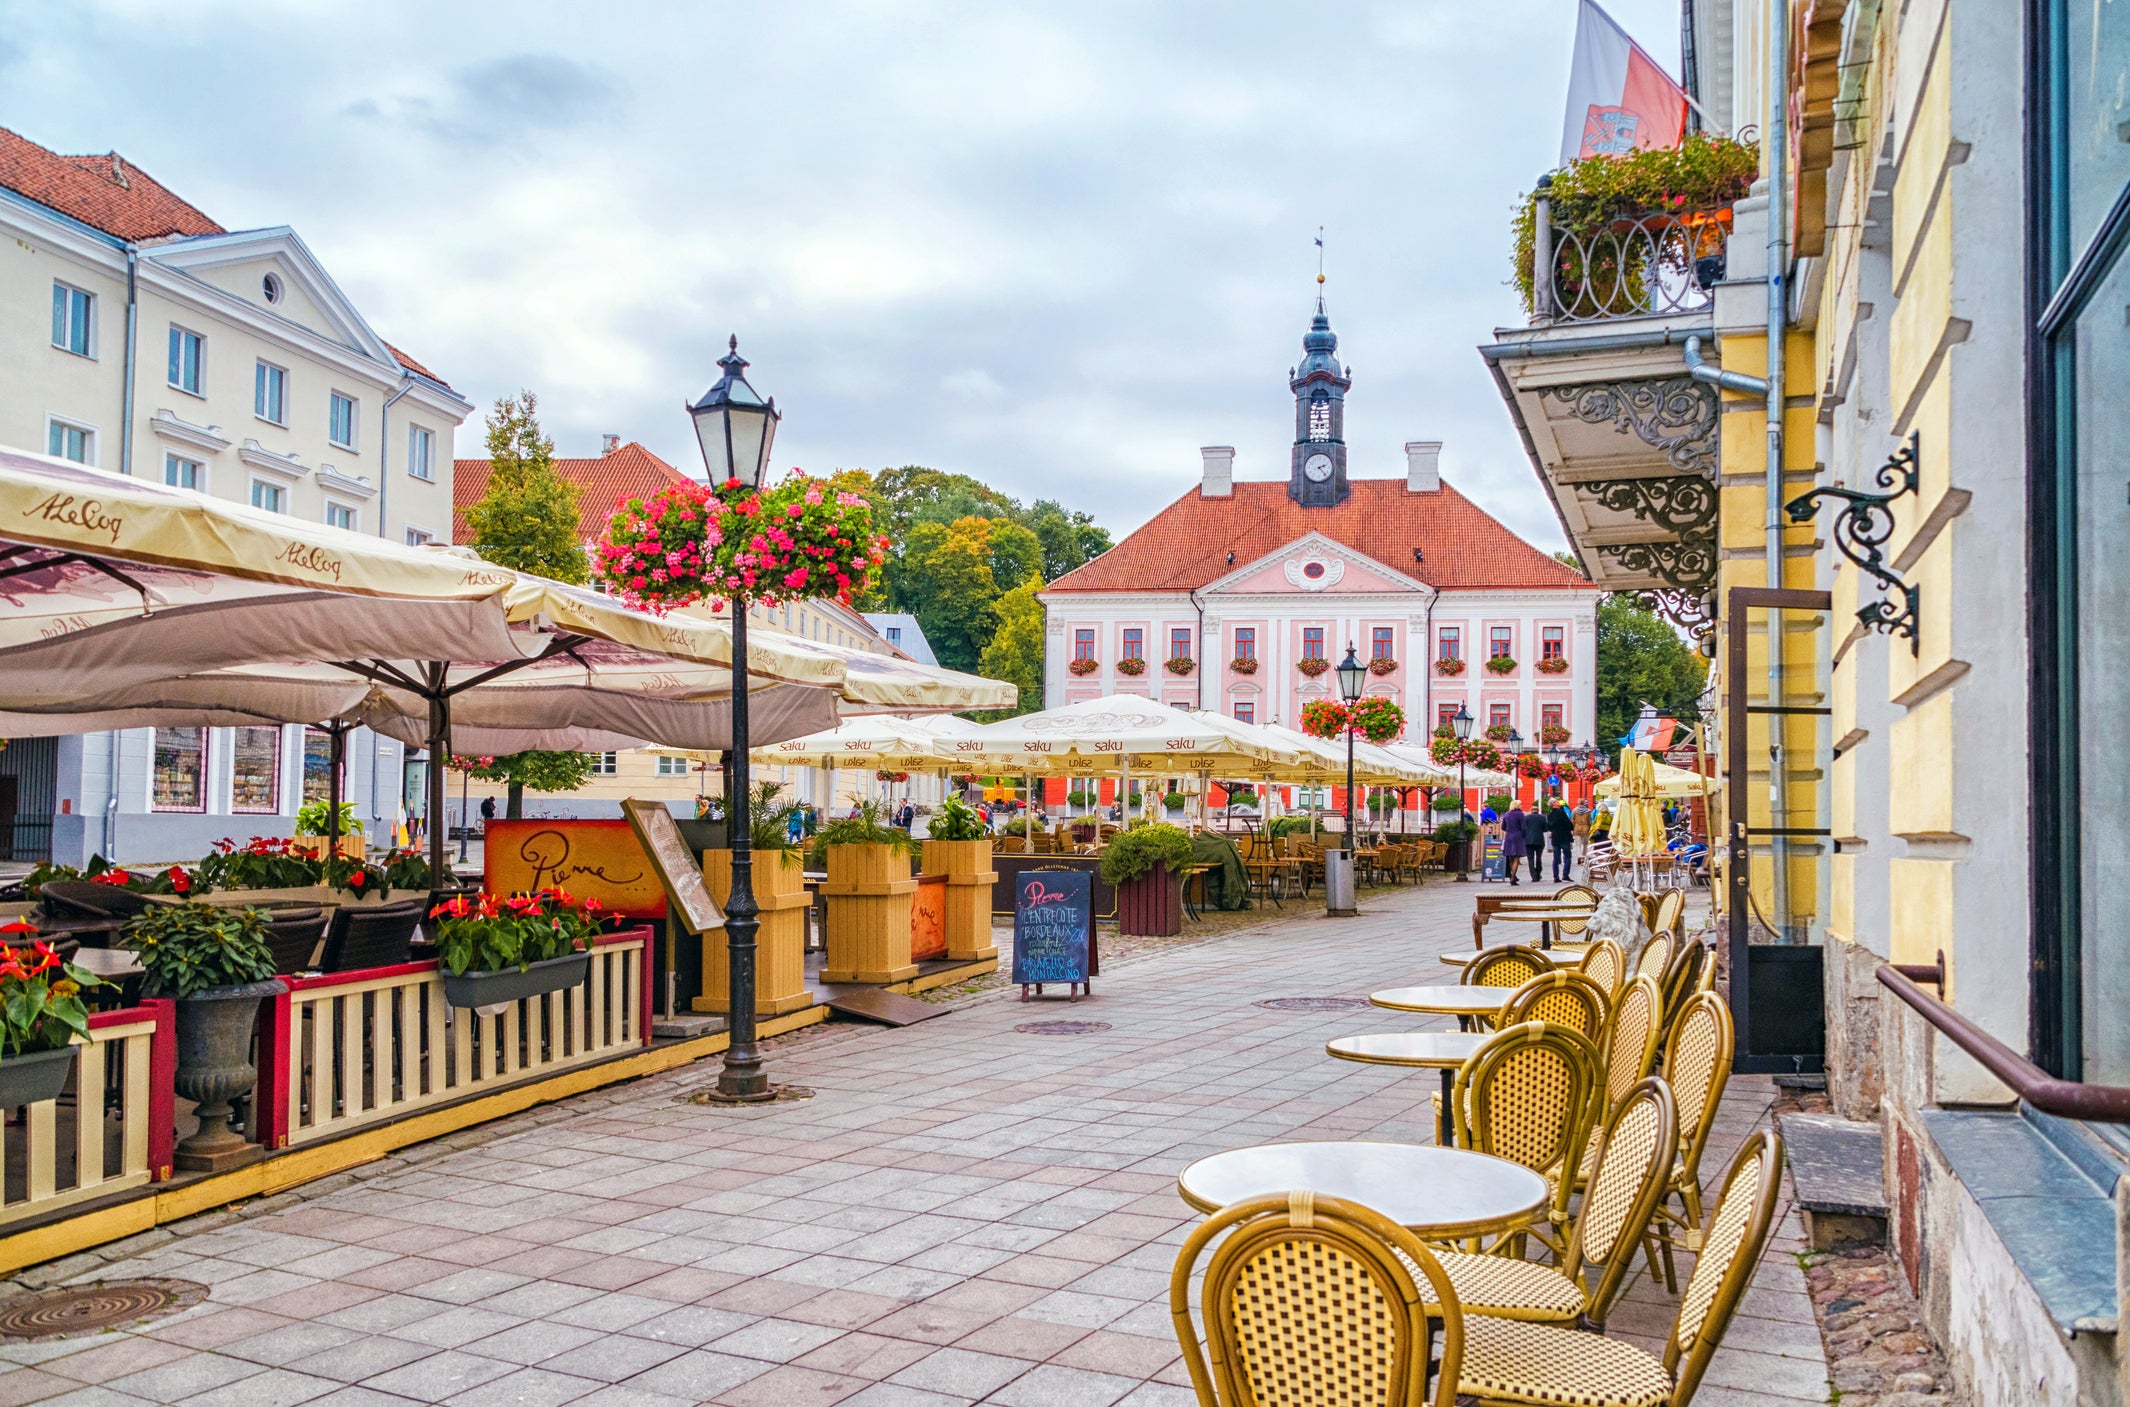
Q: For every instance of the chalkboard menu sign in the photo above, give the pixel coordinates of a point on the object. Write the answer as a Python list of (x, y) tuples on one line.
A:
[(1494, 865), (1053, 925)]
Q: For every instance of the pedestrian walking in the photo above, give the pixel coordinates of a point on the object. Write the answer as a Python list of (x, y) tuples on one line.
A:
[(1582, 826), (1560, 827), (1535, 841), (1514, 843)]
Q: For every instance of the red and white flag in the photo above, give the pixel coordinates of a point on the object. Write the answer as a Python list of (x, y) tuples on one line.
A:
[(1619, 99)]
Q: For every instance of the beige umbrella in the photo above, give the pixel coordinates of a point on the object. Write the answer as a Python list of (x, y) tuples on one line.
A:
[(1670, 781)]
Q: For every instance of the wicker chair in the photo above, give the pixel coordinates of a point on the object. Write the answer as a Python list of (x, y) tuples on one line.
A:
[(1692, 970), (1625, 1185), (1630, 1049), (1605, 963), (1654, 961), (1510, 965), (87, 898), (1311, 1299), (292, 936), (1505, 1360), (1663, 911), (1529, 1095), (1563, 998), (363, 935), (1697, 1066)]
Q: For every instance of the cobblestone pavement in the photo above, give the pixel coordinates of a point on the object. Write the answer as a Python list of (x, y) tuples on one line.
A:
[(963, 1213)]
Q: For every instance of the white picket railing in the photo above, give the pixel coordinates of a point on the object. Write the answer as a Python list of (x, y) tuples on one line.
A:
[(346, 1050), (109, 1132)]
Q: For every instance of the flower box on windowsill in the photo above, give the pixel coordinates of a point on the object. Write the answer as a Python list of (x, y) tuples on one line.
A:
[(1501, 664), (1084, 666), (1381, 667), (1312, 666), (1243, 664), (1181, 665), (1450, 666), (1131, 666), (1556, 665)]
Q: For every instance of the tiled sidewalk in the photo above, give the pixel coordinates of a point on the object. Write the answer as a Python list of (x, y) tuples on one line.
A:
[(964, 1213)]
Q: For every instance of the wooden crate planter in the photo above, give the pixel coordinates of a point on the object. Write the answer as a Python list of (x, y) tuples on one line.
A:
[(1151, 905), (868, 891), (967, 866), (779, 944), (351, 845)]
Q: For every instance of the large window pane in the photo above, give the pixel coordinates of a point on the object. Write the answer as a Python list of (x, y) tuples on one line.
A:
[(2096, 38), (317, 764), (180, 769), (255, 769)]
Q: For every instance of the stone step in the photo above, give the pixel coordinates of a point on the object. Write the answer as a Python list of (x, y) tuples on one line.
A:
[(1838, 1170)]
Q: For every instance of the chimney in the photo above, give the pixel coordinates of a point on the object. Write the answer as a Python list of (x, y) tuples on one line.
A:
[(608, 444), (1423, 466), (1219, 471)]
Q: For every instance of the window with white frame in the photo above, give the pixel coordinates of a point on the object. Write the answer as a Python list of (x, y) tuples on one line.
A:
[(255, 770), (421, 452), (188, 350), (180, 770), (1083, 644), (182, 473), (418, 537), (269, 396), (1180, 643), (672, 766), (272, 497), (1553, 643), (1245, 711), (340, 420), (1246, 642), (1134, 644), (1449, 643), (606, 764), (1498, 638), (341, 515), (63, 439), (73, 320)]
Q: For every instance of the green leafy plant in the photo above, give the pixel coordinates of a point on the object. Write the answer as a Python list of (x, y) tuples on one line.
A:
[(1287, 825), (1448, 801), (1450, 832), (40, 994), (1080, 796), (956, 819), (1501, 664), (769, 820), (1135, 852), (175, 880), (311, 818), (1242, 796), (1173, 800), (260, 863), (1500, 800), (867, 826), (186, 949), (481, 933)]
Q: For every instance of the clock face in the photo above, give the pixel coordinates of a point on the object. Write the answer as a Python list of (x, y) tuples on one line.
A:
[(1317, 467)]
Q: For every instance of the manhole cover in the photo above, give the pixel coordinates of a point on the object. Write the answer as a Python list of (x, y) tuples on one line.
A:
[(88, 1309), (1061, 1028), (1313, 1003)]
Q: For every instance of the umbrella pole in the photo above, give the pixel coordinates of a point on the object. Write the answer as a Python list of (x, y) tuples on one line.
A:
[(336, 735), (439, 743)]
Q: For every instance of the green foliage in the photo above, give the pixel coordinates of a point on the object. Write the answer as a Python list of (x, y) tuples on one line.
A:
[(1640, 658), (1081, 796), (186, 949), (1173, 800), (1287, 825), (310, 819), (1450, 832), (768, 820), (480, 933), (1500, 800), (1015, 653), (867, 826), (945, 569), (40, 995), (1136, 851), (174, 880), (527, 520), (262, 863), (1448, 801), (956, 819), (535, 771)]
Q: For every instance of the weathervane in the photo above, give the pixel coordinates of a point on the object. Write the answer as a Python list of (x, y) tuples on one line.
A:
[(1320, 256)]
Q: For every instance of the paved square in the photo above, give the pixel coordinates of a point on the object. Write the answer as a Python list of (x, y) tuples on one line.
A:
[(963, 1213)]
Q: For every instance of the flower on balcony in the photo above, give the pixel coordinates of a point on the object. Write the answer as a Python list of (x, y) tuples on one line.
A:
[(1312, 666), (1553, 735), (1554, 664), (1450, 665), (1385, 665), (1084, 666), (1502, 664), (1243, 664), (1499, 732), (1131, 665), (1180, 665)]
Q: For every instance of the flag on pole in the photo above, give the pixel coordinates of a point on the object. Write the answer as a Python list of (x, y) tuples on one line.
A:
[(1650, 733), (1619, 98)]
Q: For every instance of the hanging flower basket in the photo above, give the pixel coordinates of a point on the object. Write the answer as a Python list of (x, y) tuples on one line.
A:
[(796, 540), (1180, 665), (1530, 764), (1131, 666), (1084, 666), (1557, 664), (1376, 719), (1243, 664), (1383, 666), (1450, 666), (1312, 666), (883, 775), (1502, 664), (1477, 752)]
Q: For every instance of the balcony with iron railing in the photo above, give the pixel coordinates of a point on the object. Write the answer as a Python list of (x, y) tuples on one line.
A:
[(1645, 264)]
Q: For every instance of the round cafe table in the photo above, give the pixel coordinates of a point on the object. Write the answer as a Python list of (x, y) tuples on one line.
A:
[(1545, 918), (1424, 1050), (1559, 955), (1440, 1193), (1443, 1000)]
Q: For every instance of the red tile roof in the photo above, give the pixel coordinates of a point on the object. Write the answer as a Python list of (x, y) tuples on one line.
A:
[(414, 366), (1186, 544), (629, 472), (105, 192)]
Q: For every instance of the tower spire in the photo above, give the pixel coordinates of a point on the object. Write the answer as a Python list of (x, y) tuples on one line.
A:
[(1320, 269)]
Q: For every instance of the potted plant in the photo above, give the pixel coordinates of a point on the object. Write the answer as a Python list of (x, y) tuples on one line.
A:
[(1173, 800), (778, 877), (1499, 732), (1146, 864), (216, 963), (1312, 665), (868, 891), (1180, 665), (311, 825), (1553, 664), (1449, 665), (1242, 796), (1382, 666), (1457, 835), (495, 951), (1084, 666), (1243, 664), (1132, 666), (41, 1012), (1554, 735), (958, 847), (1448, 801), (1499, 801), (1501, 664)]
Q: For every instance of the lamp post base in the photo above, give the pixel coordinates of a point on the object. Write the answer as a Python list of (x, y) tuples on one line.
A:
[(765, 1095)]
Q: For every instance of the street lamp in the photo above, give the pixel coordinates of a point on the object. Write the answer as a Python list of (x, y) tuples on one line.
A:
[(1553, 760), (1461, 724), (735, 428), (1353, 677)]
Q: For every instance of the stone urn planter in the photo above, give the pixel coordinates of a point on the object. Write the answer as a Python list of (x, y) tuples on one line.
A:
[(967, 866), (868, 890), (779, 944), (509, 984), (35, 1077), (214, 1067)]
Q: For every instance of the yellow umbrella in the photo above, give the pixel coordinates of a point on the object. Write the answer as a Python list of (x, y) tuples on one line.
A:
[(1670, 782)]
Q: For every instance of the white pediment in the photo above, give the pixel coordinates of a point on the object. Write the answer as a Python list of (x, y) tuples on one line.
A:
[(275, 273), (1313, 563)]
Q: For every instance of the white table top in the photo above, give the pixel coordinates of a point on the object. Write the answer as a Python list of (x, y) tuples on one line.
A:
[(1444, 1000), (1428, 1050), (1441, 1192)]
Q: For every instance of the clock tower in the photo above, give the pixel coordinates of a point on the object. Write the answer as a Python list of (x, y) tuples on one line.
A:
[(1317, 478)]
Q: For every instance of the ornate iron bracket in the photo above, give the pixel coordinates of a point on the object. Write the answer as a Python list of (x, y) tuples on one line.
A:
[(1688, 610), (1864, 527)]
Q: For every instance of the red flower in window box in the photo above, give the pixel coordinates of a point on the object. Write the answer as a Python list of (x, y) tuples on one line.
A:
[(1312, 666), (1243, 664), (1181, 665), (1450, 665), (1131, 665), (1086, 666), (1383, 666), (1553, 735), (1557, 664)]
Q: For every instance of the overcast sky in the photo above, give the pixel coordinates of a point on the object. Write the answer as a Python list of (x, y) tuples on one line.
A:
[(1056, 246)]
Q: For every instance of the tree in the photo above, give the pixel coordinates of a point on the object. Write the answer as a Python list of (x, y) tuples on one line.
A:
[(1015, 653), (947, 584), (1069, 539), (527, 520), (530, 771), (1016, 554), (1640, 658)]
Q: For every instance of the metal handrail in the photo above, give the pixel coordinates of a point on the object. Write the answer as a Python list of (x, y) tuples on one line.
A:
[(2104, 1104)]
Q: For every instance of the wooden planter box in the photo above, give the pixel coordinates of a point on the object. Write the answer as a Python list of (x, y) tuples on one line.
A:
[(1151, 905), (868, 891), (967, 866), (351, 846), (779, 944)]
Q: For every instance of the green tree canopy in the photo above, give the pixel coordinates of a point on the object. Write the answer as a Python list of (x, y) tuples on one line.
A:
[(535, 771), (1640, 658), (527, 520), (1015, 653), (947, 569)]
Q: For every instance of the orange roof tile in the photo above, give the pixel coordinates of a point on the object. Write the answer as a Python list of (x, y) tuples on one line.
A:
[(105, 192), (1186, 544), (603, 482)]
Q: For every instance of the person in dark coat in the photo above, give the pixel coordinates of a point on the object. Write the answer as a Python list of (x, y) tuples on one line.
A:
[(1560, 825), (1535, 841), (1513, 844)]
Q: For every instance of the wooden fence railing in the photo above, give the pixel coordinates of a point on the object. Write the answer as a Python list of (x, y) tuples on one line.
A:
[(111, 1130), (349, 1049)]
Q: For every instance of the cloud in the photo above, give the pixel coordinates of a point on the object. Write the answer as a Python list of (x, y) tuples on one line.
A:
[(509, 101)]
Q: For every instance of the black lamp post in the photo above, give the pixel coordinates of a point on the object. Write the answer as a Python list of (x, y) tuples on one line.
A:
[(1553, 760), (735, 428), (1461, 724), (1353, 677)]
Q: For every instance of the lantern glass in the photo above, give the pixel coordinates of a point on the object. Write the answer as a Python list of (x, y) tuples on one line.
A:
[(1353, 676), (734, 426), (1461, 721)]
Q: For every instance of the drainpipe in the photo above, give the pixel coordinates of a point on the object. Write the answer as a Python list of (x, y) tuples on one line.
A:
[(1777, 147)]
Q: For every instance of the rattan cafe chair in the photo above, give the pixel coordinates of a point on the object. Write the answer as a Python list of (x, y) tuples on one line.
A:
[(1697, 1066), (1625, 1185), (1666, 912), (1630, 1050), (1565, 998), (1654, 960), (1530, 1095), (1605, 963), (1510, 965), (1313, 1300), (1505, 1360)]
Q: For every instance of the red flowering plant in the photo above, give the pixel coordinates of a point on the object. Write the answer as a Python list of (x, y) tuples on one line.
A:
[(1554, 735), (1243, 664), (1530, 764), (481, 933), (1450, 665), (1084, 666), (174, 880), (40, 994), (1499, 732), (1312, 665), (1474, 752), (1376, 719), (1382, 665), (1180, 665), (1553, 664), (1131, 665), (263, 862), (797, 540), (884, 775)]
